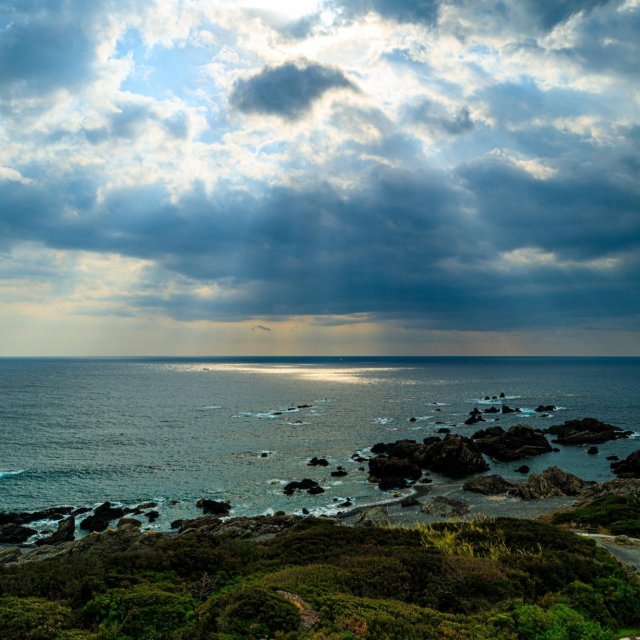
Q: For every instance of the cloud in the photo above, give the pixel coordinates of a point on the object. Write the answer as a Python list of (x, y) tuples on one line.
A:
[(288, 90), (260, 327), (404, 11), (437, 117), (551, 13)]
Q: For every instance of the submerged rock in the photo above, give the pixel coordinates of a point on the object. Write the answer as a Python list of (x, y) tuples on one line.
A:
[(318, 462), (65, 533), (586, 431), (214, 507), (308, 485)]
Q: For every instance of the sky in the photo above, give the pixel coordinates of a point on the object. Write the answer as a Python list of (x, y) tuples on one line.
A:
[(320, 177)]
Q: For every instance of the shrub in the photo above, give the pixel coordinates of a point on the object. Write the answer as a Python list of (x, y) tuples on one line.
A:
[(32, 618)]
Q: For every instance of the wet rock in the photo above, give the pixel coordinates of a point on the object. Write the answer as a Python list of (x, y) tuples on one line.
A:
[(346, 504), (64, 533), (15, 533), (592, 451), (523, 468), (318, 462), (455, 457), (129, 522), (404, 449), (101, 517), (152, 516), (308, 485), (176, 524), (377, 516), (488, 485), (258, 528), (552, 482), (80, 510), (381, 468), (55, 513), (474, 419), (384, 484), (586, 431), (492, 410), (305, 511), (147, 505), (520, 441), (445, 507), (379, 448), (412, 419), (444, 430), (214, 507), (613, 458), (339, 473), (629, 467), (502, 394), (305, 406), (543, 408), (507, 409)]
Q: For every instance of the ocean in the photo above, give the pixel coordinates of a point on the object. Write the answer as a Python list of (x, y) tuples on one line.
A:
[(81, 431)]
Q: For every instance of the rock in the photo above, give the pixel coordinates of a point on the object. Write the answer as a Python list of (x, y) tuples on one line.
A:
[(502, 394), (444, 430), (492, 410), (379, 448), (55, 513), (404, 449), (425, 481), (177, 524), (613, 458), (523, 468), (318, 462), (9, 554), (432, 439), (508, 409), (445, 507), (15, 533), (629, 467), (339, 473), (552, 482), (302, 485), (152, 516), (80, 510), (65, 533), (305, 406), (147, 505), (258, 528), (474, 419), (101, 517), (412, 419), (520, 441), (455, 457), (410, 501), (592, 451), (129, 522), (377, 516), (625, 487), (214, 507), (384, 484), (586, 431), (393, 468), (488, 485), (543, 408), (305, 511)]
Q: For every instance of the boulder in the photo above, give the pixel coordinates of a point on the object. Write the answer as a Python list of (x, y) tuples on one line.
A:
[(543, 408), (64, 533), (455, 457), (488, 485), (101, 517), (492, 410), (552, 482), (507, 409), (586, 431), (55, 513), (318, 462), (445, 507), (15, 533), (384, 484), (410, 501), (214, 507), (379, 448), (393, 468), (129, 522), (592, 451), (629, 467), (520, 441), (152, 516), (339, 473), (523, 468), (377, 516), (625, 487), (474, 419), (308, 485)]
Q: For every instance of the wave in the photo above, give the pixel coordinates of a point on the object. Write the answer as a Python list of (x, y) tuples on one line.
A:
[(4, 474)]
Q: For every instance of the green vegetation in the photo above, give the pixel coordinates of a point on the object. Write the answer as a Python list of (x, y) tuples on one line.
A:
[(505, 579), (618, 515)]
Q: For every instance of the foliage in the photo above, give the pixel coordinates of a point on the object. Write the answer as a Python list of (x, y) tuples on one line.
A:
[(32, 618), (620, 515)]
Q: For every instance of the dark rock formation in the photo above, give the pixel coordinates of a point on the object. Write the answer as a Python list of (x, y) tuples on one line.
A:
[(384, 484), (474, 419), (152, 516), (340, 472), (543, 408), (552, 482), (488, 485), (259, 528), (523, 468), (410, 501), (55, 513), (393, 468), (492, 410), (379, 448), (15, 533), (129, 522), (521, 441), (629, 467), (508, 409), (613, 458), (592, 451), (176, 524), (318, 462), (455, 457), (101, 517), (214, 507), (444, 430), (586, 431), (310, 486), (64, 533)]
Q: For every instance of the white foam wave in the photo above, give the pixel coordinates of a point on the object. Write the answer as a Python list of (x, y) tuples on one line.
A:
[(382, 420), (4, 474), (209, 407)]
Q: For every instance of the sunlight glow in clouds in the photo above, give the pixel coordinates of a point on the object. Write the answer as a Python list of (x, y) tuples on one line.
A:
[(378, 176)]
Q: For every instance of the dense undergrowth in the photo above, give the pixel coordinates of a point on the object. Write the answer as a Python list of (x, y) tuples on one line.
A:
[(496, 580), (618, 515)]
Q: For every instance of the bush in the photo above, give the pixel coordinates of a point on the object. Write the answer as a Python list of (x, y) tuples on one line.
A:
[(32, 618)]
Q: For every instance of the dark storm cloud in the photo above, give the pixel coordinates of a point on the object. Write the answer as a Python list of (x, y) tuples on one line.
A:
[(406, 11), (288, 90)]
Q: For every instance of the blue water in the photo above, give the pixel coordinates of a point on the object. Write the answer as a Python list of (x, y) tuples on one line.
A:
[(81, 431)]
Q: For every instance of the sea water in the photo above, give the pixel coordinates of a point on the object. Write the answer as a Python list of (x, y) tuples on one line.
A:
[(81, 431)]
